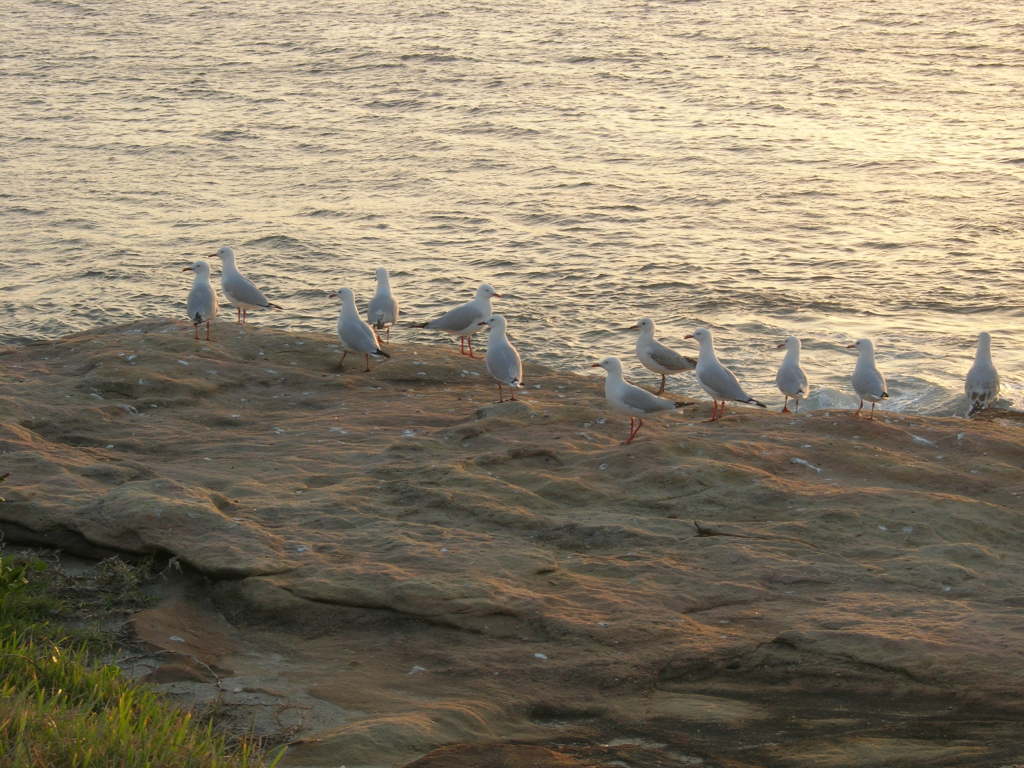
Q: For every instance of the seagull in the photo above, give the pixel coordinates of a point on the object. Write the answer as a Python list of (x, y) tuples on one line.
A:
[(656, 356), (238, 289), (202, 299), (717, 380), (502, 360), (356, 336), (631, 399), (868, 382), (982, 384), (465, 320), (383, 310), (791, 378)]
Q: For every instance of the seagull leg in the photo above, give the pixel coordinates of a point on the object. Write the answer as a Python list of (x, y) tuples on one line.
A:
[(513, 395), (387, 331), (195, 328), (367, 368), (208, 330), (633, 430), (462, 345), (871, 416), (245, 315), (238, 315), (501, 397), (469, 340), (785, 406), (857, 414), (341, 363), (662, 387)]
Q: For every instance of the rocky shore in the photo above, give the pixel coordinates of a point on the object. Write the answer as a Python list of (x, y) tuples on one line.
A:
[(397, 571)]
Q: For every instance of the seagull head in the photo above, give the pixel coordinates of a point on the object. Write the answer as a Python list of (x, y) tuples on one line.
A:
[(486, 291), (791, 342), (343, 294), (702, 335), (497, 323), (199, 267), (226, 254), (985, 339), (862, 345), (610, 364), (645, 325)]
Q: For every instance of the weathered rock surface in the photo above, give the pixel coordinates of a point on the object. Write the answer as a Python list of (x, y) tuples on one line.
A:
[(408, 566)]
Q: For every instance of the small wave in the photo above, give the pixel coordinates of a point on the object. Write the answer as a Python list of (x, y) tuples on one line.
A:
[(276, 241)]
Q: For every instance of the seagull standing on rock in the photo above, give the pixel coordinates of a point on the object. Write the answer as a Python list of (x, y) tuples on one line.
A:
[(202, 299), (465, 320), (383, 310), (656, 356), (791, 378), (982, 383), (238, 289), (717, 380), (630, 399), (502, 360), (355, 335), (868, 382)]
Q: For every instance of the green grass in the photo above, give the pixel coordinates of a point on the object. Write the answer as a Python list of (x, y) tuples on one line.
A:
[(60, 708)]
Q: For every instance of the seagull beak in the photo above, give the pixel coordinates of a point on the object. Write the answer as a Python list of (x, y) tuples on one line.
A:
[(780, 346), (187, 269), (688, 336), (851, 346), (496, 296), (332, 296), (595, 365), (634, 328)]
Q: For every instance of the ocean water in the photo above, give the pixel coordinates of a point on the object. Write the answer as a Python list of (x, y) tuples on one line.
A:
[(831, 170)]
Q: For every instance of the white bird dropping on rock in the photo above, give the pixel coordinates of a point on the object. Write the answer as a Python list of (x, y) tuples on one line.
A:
[(717, 380), (630, 399), (383, 310), (502, 360), (202, 299), (868, 382), (356, 335), (982, 383), (791, 378), (465, 320), (238, 289), (656, 356)]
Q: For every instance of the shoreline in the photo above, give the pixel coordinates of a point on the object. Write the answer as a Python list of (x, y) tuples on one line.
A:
[(422, 567)]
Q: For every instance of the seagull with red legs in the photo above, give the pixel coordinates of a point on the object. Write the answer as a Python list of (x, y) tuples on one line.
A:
[(630, 399)]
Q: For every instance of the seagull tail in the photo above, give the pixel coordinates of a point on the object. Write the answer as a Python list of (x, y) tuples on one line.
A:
[(758, 403), (380, 353), (417, 325), (682, 403), (272, 305), (885, 395), (515, 384), (691, 361), (197, 319), (975, 407)]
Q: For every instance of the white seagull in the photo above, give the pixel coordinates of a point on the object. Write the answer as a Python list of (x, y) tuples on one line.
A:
[(656, 356), (465, 320), (383, 310), (982, 383), (791, 378), (502, 360), (202, 299), (355, 335), (717, 380), (868, 382), (630, 399), (238, 289)]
